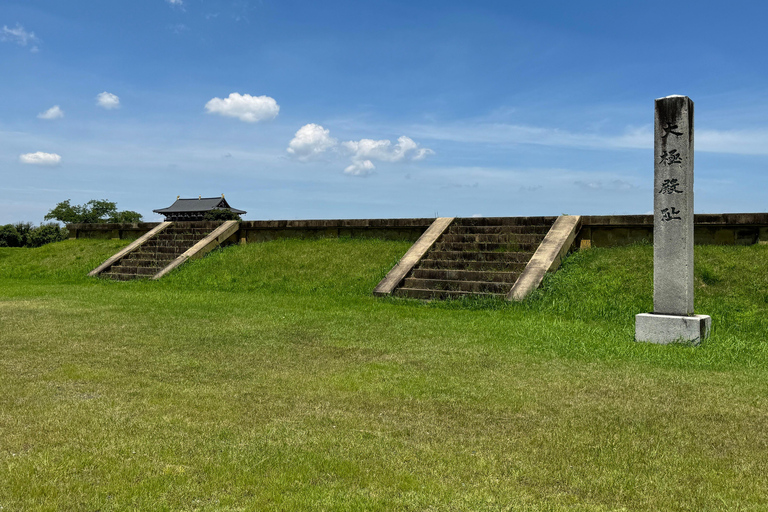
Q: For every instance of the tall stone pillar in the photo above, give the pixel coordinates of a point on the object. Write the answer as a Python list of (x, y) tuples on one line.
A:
[(672, 319)]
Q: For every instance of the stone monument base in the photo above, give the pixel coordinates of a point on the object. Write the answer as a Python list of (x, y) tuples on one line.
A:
[(664, 329)]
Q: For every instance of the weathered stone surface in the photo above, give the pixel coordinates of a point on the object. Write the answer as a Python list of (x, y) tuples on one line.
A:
[(673, 206), (664, 329), (395, 276), (673, 234), (547, 257), (227, 230), (130, 248)]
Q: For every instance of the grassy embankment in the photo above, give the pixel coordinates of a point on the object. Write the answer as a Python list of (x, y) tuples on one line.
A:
[(267, 377)]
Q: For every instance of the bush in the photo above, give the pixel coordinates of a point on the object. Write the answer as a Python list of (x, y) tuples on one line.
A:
[(24, 228), (10, 237), (46, 234), (221, 214)]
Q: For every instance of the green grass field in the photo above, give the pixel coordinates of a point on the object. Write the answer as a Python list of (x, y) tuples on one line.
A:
[(266, 377)]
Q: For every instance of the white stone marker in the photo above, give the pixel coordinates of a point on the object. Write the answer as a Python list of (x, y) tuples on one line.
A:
[(673, 319)]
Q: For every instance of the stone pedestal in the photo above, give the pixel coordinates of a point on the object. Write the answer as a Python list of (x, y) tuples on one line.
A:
[(664, 329), (673, 319)]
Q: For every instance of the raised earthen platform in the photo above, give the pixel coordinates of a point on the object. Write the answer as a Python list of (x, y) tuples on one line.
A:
[(453, 257), (596, 230)]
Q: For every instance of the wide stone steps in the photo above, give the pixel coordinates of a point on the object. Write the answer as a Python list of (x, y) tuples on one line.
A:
[(492, 238), (138, 271), (480, 247), (491, 230), (486, 266), (481, 256), (156, 253), (476, 256), (504, 221), (457, 285), (426, 294), (465, 275)]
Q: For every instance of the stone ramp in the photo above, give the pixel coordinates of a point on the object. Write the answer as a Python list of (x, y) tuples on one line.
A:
[(165, 248), (481, 257)]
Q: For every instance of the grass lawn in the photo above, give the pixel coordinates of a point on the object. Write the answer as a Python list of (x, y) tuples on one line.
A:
[(266, 377)]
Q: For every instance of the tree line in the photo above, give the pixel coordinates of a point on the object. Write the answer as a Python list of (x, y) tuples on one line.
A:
[(95, 211), (25, 234)]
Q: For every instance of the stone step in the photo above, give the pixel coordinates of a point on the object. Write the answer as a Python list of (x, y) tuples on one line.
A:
[(145, 250), (177, 238), (493, 238), (505, 221), (164, 242), (485, 266), (119, 276), (185, 231), (418, 293), (147, 262), (133, 270), (465, 275), (463, 286), (516, 257), (482, 247), (487, 230)]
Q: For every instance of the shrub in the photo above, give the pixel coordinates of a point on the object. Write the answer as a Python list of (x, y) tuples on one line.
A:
[(10, 237), (46, 234), (24, 228), (221, 214)]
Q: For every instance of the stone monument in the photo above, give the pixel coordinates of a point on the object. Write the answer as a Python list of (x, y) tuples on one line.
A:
[(672, 319)]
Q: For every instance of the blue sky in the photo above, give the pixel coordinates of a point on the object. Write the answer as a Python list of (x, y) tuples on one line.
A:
[(341, 109)]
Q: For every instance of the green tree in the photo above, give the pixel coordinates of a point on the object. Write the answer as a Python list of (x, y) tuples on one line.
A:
[(124, 217), (92, 212), (221, 214)]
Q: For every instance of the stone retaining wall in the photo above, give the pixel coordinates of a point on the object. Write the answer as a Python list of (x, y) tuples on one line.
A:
[(265, 230), (596, 231), (709, 229)]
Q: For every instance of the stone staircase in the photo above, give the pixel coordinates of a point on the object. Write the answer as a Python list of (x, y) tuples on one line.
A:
[(165, 248), (476, 256)]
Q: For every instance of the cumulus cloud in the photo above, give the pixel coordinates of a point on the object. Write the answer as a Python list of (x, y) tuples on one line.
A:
[(19, 36), (40, 158), (108, 100), (405, 149), (362, 168), (363, 151), (177, 3), (313, 140), (245, 107), (52, 113)]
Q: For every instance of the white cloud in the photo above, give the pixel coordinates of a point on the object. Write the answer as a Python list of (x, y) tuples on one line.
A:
[(405, 149), (52, 113), (245, 107), (363, 168), (177, 3), (40, 158), (108, 100), (310, 141), (365, 150), (19, 36)]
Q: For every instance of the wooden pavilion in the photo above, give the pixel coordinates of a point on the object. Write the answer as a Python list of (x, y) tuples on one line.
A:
[(195, 209)]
